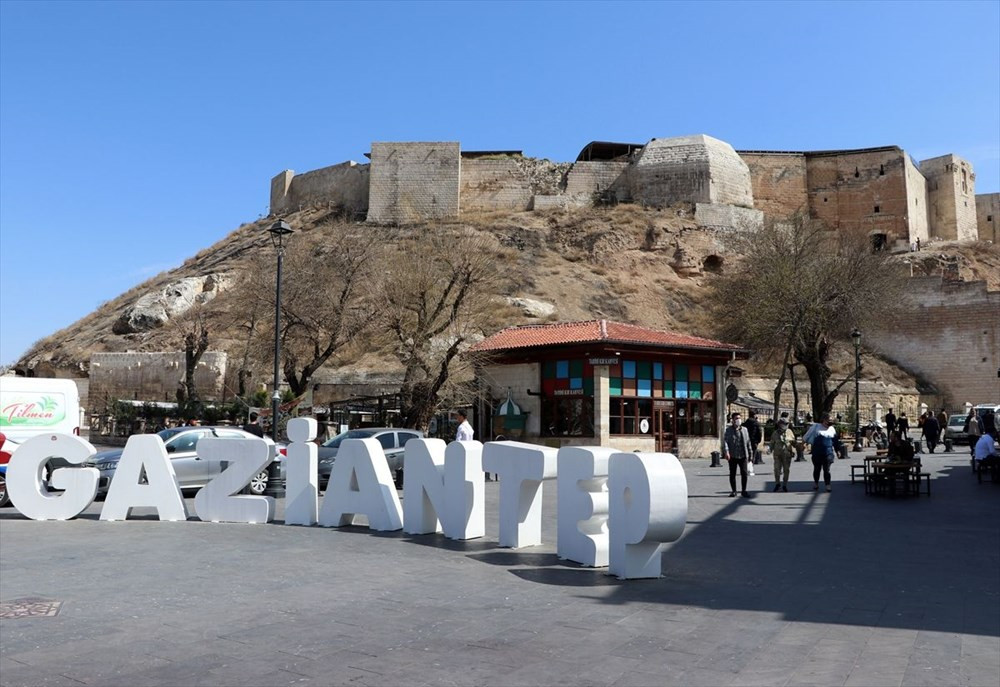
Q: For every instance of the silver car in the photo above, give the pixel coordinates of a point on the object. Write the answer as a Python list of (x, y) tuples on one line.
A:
[(192, 472), (392, 439)]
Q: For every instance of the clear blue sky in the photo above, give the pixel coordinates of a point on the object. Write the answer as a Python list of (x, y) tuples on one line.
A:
[(134, 134)]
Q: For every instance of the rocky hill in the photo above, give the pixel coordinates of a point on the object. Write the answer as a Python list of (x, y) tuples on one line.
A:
[(626, 263)]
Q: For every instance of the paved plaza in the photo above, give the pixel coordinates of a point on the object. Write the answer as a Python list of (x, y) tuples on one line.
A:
[(802, 588)]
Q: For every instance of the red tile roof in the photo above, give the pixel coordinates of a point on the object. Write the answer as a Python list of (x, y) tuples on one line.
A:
[(594, 331)]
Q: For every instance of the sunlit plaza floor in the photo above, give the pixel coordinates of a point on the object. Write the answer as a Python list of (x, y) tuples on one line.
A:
[(802, 588)]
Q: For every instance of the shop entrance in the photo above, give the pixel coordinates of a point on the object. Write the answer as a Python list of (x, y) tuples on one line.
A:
[(663, 425)]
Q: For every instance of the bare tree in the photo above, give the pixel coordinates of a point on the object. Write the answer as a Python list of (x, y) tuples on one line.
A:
[(326, 299), (439, 292), (797, 291)]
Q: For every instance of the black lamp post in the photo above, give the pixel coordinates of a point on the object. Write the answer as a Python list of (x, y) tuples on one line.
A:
[(856, 338), (278, 231)]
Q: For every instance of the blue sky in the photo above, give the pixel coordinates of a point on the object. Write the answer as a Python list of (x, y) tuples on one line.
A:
[(134, 134)]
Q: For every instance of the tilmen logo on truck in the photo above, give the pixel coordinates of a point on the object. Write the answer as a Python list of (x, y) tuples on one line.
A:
[(31, 409)]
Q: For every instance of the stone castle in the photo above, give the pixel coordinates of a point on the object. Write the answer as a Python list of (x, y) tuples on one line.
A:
[(897, 199)]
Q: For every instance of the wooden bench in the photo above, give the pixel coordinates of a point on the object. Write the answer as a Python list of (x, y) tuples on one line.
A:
[(864, 471), (916, 482)]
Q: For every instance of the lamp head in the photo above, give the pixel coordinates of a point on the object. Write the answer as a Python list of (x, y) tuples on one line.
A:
[(278, 231)]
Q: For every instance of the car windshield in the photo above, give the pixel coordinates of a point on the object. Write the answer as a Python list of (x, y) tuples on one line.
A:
[(167, 434), (350, 434), (956, 421)]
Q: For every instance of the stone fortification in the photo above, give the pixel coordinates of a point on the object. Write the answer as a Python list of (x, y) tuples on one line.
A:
[(508, 182), (414, 181), (698, 169), (878, 190), (344, 185), (951, 336), (951, 193), (881, 191), (151, 377), (987, 211)]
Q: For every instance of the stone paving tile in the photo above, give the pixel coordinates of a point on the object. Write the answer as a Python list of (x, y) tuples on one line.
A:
[(778, 589)]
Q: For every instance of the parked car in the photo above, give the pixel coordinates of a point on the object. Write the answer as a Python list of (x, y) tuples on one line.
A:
[(955, 430), (392, 439), (192, 472)]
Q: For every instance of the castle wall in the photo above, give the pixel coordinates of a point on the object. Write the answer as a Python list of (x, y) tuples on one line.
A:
[(595, 177), (151, 377), (860, 191), (410, 182), (950, 335), (345, 185), (779, 183), (916, 201), (951, 194), (508, 183), (987, 216), (714, 216)]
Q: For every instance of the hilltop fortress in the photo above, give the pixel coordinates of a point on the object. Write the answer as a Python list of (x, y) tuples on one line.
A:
[(897, 199)]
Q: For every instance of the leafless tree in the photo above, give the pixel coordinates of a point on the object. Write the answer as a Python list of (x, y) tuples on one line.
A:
[(440, 291), (797, 291), (326, 299)]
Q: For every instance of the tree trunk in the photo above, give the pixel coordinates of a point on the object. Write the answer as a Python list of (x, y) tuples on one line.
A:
[(194, 348), (795, 393)]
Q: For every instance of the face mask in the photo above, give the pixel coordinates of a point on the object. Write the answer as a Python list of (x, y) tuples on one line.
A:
[(737, 423)]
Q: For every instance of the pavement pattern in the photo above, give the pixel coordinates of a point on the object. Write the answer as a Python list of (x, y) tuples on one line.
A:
[(802, 588)]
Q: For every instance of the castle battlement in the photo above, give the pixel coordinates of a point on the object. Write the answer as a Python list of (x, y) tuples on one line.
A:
[(881, 190)]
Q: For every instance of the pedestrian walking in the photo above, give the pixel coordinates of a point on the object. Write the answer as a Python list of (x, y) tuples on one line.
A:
[(782, 448), (890, 422), (464, 432), (903, 425), (973, 429), (756, 435), (825, 446), (737, 447), (931, 431)]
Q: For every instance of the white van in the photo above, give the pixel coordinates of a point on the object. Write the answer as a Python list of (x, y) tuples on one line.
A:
[(34, 405)]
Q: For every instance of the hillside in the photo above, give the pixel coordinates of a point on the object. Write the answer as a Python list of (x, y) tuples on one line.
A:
[(624, 263)]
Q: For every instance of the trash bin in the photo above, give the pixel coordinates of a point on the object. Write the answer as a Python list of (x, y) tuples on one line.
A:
[(917, 446), (843, 452), (716, 460), (948, 446)]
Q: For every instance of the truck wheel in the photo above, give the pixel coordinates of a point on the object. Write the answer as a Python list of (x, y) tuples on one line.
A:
[(3, 491)]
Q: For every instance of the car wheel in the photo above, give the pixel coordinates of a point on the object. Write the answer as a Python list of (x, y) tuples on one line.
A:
[(258, 483), (3, 491)]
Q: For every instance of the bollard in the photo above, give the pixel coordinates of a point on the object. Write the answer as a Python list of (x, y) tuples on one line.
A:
[(917, 444), (844, 452), (948, 446), (800, 452), (716, 462)]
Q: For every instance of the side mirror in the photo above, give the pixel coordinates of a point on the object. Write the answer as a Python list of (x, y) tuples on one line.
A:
[(171, 449)]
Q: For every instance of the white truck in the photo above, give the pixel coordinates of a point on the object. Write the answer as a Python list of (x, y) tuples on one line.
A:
[(36, 405)]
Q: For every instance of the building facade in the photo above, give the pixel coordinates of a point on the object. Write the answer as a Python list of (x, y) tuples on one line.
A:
[(612, 384)]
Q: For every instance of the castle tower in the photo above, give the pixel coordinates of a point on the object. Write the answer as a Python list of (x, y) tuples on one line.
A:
[(951, 198), (694, 169)]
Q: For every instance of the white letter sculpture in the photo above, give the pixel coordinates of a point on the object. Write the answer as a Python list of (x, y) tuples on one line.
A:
[(25, 477), (444, 488), (521, 468), (423, 488), (161, 491), (648, 507), (302, 486), (582, 512), (465, 491), (360, 483), (246, 457)]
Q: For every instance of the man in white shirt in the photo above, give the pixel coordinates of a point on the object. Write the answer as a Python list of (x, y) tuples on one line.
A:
[(464, 432), (985, 455)]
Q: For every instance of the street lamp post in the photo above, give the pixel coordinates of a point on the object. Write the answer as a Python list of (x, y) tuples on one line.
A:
[(278, 231), (856, 338)]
